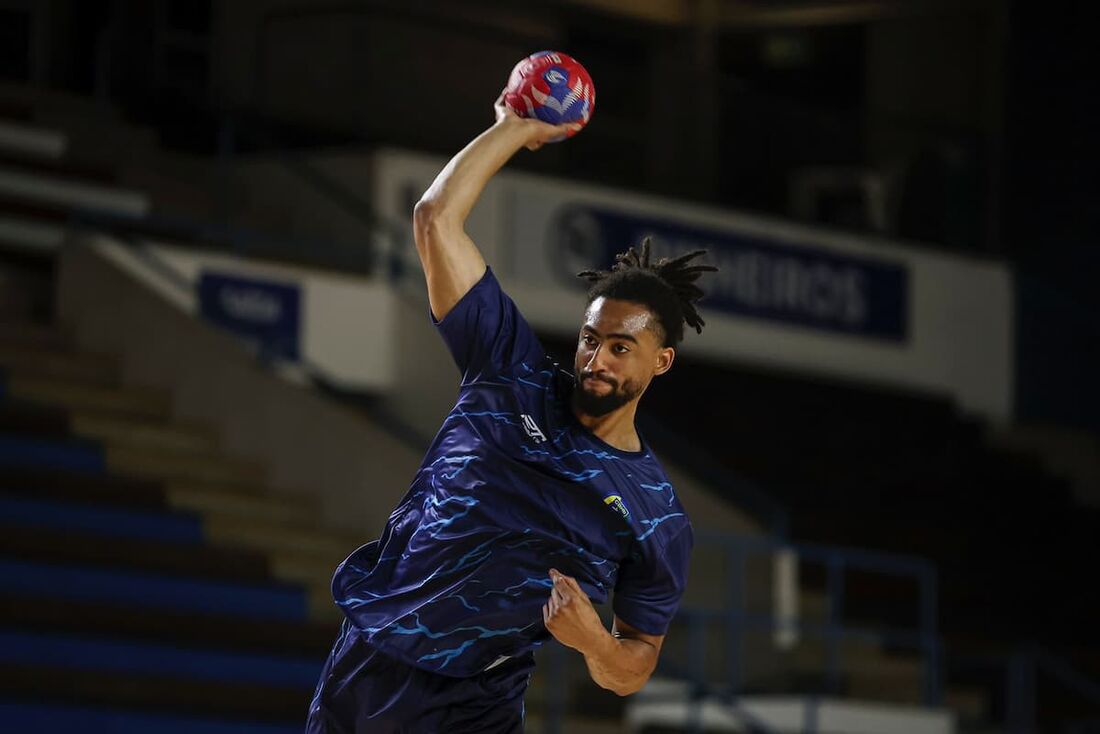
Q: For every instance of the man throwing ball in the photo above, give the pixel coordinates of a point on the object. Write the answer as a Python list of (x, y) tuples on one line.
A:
[(536, 499)]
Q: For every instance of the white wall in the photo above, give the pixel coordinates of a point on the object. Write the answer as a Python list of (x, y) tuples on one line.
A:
[(347, 323), (960, 329), (114, 303)]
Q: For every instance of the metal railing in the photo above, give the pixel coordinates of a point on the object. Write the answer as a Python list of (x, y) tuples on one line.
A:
[(1022, 671), (738, 622), (837, 560)]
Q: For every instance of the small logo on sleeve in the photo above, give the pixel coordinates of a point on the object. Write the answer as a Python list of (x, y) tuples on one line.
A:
[(616, 502), (532, 428)]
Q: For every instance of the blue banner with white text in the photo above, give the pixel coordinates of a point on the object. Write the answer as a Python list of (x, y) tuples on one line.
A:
[(265, 314), (763, 277)]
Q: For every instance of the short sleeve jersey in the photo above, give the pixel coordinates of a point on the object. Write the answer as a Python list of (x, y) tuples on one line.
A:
[(512, 485)]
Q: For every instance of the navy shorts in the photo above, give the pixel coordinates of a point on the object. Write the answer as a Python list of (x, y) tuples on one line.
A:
[(362, 691)]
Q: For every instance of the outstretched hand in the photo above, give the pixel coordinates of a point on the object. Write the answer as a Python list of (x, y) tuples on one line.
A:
[(570, 616), (538, 132)]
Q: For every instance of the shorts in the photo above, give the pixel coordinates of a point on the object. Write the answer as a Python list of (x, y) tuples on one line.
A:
[(362, 691)]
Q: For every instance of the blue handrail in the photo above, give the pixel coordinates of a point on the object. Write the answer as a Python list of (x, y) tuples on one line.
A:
[(1023, 670), (837, 560)]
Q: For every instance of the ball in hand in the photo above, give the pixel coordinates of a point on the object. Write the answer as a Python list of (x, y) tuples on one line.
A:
[(552, 87)]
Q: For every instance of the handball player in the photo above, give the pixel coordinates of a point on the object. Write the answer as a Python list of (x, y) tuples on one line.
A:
[(537, 499)]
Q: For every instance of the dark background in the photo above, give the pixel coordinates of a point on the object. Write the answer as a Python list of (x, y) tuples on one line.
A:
[(977, 118), (978, 115)]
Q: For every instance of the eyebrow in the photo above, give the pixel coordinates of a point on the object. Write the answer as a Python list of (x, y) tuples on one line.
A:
[(624, 337)]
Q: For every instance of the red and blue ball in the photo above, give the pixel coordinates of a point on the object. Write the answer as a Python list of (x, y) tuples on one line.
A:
[(552, 87)]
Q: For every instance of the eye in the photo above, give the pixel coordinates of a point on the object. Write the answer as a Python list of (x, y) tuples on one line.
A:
[(588, 339), (621, 349)]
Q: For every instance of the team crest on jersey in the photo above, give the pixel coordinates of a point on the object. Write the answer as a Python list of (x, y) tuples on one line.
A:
[(616, 502)]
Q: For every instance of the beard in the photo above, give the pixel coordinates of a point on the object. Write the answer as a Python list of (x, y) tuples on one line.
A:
[(597, 405)]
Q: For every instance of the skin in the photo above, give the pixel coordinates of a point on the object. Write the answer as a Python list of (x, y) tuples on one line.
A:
[(619, 348)]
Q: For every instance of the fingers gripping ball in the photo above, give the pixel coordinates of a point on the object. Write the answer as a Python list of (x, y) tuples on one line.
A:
[(553, 87)]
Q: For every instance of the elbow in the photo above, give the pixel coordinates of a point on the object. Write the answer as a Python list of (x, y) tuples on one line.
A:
[(627, 688), (624, 691), (430, 214), (425, 215), (431, 222), (424, 212)]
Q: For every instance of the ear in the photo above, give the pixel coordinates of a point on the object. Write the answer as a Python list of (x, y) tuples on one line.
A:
[(665, 357)]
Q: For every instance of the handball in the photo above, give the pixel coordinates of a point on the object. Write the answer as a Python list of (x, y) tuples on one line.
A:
[(552, 87)]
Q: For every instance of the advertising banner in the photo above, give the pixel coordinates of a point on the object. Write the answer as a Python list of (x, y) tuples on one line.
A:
[(264, 313), (762, 277)]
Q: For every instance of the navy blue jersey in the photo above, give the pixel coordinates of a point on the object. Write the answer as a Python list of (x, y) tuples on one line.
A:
[(513, 485)]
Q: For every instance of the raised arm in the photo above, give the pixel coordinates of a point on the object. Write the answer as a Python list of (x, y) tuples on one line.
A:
[(452, 263)]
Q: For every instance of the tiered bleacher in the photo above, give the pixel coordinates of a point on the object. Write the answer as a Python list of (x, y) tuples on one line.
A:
[(143, 586), (154, 583)]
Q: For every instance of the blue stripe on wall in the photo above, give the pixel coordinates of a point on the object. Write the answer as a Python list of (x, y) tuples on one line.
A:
[(144, 590), (68, 651), (160, 526), (69, 455), (28, 717)]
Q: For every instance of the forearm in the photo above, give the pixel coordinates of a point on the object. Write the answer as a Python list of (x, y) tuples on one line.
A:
[(620, 664), (452, 262), (459, 185)]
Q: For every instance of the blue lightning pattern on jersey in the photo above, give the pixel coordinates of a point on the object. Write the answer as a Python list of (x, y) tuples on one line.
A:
[(662, 487), (511, 485), (505, 418), (463, 462), (448, 654), (655, 522), (434, 527), (514, 589)]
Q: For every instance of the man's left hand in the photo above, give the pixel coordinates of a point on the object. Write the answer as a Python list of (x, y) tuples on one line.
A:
[(570, 616)]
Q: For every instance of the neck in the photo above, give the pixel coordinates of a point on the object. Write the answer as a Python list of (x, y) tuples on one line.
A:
[(615, 428)]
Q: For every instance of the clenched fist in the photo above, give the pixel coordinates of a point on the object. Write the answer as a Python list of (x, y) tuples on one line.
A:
[(570, 616)]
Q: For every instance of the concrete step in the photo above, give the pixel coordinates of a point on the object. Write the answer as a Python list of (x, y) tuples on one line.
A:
[(32, 141), (30, 540), (147, 657), (316, 544), (293, 568), (108, 619), (32, 235), (313, 575), (92, 694), (245, 524), (167, 465), (132, 401), (64, 168), (61, 190), (223, 501), (968, 703), (46, 422), (534, 722), (38, 362), (116, 430), (239, 504), (665, 705), (868, 672), (322, 609), (37, 335), (296, 555)]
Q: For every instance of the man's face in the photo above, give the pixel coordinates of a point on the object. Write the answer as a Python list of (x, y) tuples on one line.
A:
[(619, 351)]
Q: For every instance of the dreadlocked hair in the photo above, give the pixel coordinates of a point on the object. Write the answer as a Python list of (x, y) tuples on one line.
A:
[(666, 287)]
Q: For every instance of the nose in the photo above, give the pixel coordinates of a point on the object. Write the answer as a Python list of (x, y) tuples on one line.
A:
[(595, 360)]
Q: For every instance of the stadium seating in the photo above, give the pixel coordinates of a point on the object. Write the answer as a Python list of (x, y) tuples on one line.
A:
[(155, 583), (152, 583)]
